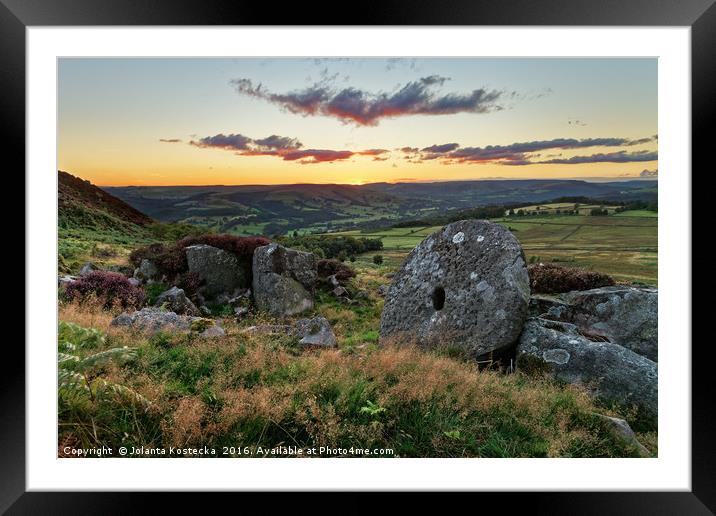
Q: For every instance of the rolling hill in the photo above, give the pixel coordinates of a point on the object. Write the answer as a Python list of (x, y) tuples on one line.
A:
[(274, 209)]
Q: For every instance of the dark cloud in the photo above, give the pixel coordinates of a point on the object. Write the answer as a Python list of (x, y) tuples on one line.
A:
[(351, 105), (278, 142), (524, 153), (169, 140), (445, 147), (224, 141), (611, 157)]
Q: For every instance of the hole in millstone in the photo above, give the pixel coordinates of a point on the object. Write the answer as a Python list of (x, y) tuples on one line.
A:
[(438, 298)]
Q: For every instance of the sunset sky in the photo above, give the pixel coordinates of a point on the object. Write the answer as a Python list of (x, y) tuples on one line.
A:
[(206, 121)]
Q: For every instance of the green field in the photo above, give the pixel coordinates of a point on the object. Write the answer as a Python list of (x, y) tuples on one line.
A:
[(623, 245), (554, 208)]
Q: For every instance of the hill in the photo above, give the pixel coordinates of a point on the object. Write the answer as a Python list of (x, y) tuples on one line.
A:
[(94, 225), (271, 209), (82, 205), (316, 208)]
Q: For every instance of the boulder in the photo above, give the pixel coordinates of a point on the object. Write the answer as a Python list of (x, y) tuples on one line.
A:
[(64, 280), (221, 272), (608, 370), (315, 332), (465, 285), (153, 320), (383, 290), (146, 272), (627, 316), (333, 281), (283, 279), (339, 292), (542, 305), (621, 429), (87, 268), (175, 300)]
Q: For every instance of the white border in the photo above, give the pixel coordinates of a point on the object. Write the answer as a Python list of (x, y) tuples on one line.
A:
[(670, 471)]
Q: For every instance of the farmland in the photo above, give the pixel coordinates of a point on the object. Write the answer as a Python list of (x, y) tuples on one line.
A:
[(624, 245)]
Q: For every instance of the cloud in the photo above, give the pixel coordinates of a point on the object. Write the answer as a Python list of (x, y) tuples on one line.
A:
[(316, 155), (169, 140), (649, 173), (445, 147), (278, 142), (224, 141), (611, 157), (524, 153), (355, 106), (288, 149)]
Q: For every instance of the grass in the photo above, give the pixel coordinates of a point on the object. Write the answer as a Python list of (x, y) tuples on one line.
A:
[(255, 392), (624, 245), (252, 392)]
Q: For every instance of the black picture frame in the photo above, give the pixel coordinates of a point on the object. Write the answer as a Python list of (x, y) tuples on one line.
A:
[(700, 15)]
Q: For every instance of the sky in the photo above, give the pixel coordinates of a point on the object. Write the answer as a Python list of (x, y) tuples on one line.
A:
[(231, 121)]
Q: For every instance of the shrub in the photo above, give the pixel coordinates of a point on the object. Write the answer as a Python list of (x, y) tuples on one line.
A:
[(552, 279), (189, 282), (332, 266), (378, 259), (111, 288)]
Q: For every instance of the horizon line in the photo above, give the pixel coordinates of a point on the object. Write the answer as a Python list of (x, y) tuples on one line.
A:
[(591, 179)]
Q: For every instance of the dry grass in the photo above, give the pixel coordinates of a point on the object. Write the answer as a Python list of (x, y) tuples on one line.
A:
[(263, 391)]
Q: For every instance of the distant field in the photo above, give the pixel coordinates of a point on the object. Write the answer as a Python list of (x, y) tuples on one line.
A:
[(637, 213), (624, 246), (553, 208)]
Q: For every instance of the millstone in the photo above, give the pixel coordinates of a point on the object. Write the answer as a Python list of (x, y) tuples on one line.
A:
[(464, 286)]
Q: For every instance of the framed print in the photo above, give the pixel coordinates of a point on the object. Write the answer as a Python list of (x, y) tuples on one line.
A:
[(420, 252)]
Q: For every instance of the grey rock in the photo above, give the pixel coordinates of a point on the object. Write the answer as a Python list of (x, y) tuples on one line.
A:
[(627, 316), (269, 329), (175, 300), (339, 292), (284, 279), (608, 370), (333, 281), (622, 429), (315, 332), (240, 311), (383, 290), (221, 271), (64, 280), (213, 331), (466, 285), (153, 320), (146, 272), (134, 282), (205, 310), (542, 305), (87, 268)]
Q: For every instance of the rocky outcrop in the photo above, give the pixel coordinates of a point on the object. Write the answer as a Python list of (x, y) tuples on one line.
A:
[(175, 300), (315, 332), (146, 272), (87, 268), (465, 285), (220, 271), (283, 280), (608, 370), (153, 320), (622, 315)]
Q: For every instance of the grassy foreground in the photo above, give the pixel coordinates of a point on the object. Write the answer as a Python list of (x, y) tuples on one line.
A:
[(245, 395)]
